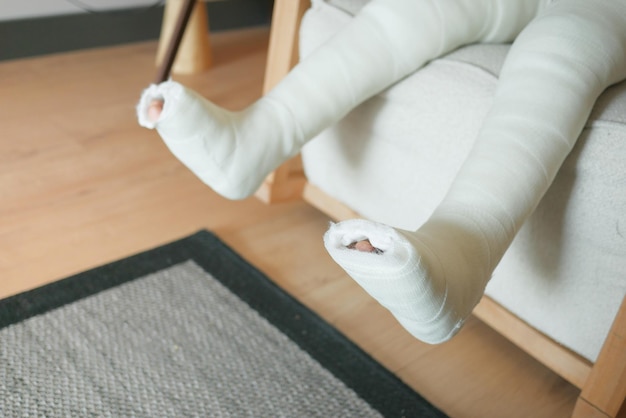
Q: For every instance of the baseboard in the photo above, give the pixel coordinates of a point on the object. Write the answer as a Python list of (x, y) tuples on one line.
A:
[(47, 35)]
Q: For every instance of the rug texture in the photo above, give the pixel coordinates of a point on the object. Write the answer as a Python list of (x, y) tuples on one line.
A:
[(189, 329)]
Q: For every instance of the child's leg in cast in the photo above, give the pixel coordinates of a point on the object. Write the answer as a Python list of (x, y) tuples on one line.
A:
[(234, 151), (431, 279)]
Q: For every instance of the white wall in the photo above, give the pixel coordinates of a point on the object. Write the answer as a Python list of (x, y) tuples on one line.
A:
[(20, 9)]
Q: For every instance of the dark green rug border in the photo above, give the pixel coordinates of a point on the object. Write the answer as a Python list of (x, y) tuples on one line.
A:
[(30, 37), (372, 382)]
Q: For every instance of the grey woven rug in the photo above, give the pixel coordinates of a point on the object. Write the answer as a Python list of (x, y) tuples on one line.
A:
[(185, 330)]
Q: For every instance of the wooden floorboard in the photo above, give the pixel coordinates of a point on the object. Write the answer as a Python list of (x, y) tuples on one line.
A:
[(81, 184)]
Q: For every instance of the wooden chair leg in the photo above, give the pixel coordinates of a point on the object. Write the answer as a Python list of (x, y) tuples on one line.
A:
[(184, 46), (605, 389), (287, 182)]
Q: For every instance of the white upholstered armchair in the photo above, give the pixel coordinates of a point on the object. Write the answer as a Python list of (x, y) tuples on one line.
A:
[(559, 291)]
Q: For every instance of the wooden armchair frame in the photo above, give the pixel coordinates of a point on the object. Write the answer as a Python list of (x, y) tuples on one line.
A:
[(602, 384)]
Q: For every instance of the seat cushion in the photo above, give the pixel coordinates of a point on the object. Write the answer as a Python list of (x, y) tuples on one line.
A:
[(393, 158)]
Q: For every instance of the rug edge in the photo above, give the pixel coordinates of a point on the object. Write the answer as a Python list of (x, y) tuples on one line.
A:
[(299, 332)]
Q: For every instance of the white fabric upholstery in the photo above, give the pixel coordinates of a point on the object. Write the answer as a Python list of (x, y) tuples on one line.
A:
[(393, 158)]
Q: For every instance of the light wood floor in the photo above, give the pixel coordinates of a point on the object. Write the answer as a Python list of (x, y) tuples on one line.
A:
[(81, 184)]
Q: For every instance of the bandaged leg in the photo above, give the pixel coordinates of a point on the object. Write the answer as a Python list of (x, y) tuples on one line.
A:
[(234, 151), (431, 279)]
